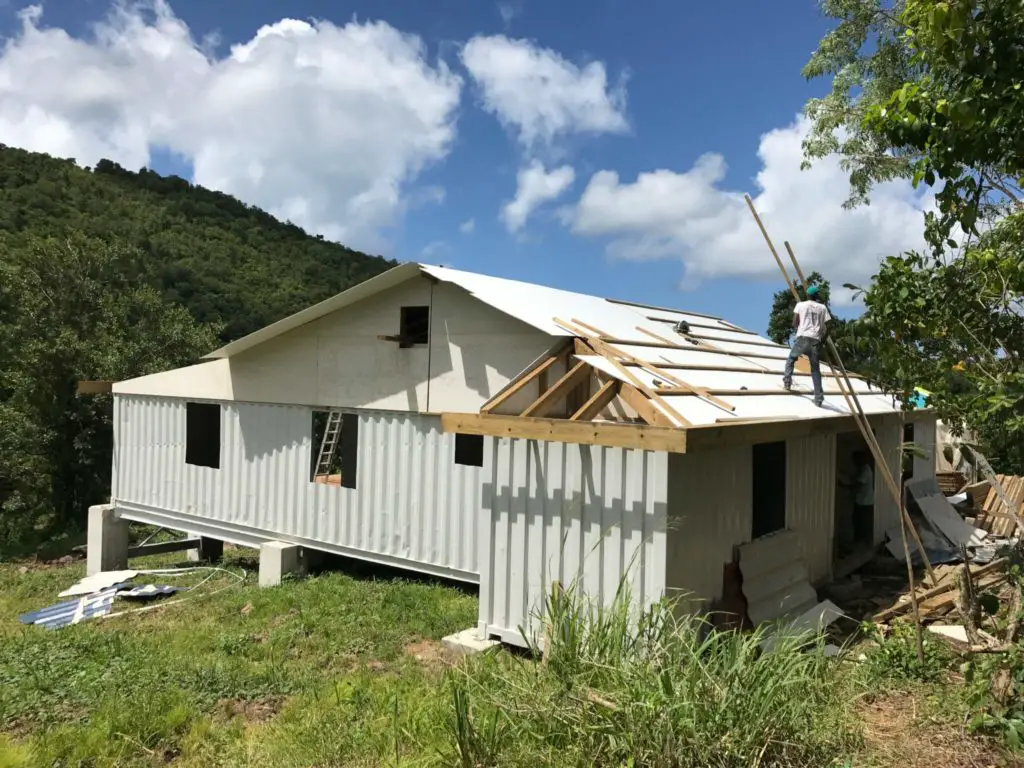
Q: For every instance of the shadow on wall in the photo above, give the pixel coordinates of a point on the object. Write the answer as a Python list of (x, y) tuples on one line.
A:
[(567, 517), (266, 430)]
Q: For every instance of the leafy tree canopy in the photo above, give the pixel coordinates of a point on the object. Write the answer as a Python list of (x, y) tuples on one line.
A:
[(227, 262)]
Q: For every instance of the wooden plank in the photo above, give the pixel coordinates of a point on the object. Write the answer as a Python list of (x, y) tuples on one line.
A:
[(634, 436), (723, 327), (688, 348), (542, 405), (645, 409), (539, 374), (601, 399), (670, 391), (653, 369), (87, 387), (603, 350), (735, 369)]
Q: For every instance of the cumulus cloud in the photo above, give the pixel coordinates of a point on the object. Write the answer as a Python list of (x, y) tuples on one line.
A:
[(539, 95), (534, 187), (321, 124), (467, 226), (692, 217)]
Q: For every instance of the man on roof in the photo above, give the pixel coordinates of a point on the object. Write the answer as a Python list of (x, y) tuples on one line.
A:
[(810, 319)]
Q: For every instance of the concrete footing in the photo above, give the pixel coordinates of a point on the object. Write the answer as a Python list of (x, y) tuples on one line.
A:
[(276, 559), (468, 641), (107, 541), (210, 550)]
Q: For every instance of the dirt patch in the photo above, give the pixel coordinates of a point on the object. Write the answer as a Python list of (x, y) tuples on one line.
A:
[(895, 733), (431, 653), (250, 710)]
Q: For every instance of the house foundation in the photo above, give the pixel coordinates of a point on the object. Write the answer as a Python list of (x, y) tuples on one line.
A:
[(107, 542)]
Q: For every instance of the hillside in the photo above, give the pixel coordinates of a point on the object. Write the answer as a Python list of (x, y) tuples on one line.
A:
[(222, 259)]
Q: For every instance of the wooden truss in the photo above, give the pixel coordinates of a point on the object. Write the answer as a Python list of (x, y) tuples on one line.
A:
[(566, 399)]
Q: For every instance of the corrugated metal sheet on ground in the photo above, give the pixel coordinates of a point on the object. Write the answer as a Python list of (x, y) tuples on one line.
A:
[(73, 611), (412, 503), (569, 513), (775, 579), (940, 513)]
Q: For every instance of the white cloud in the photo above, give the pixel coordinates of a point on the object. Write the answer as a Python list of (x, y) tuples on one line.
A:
[(467, 226), (435, 251), (541, 96), (690, 216), (534, 187), (324, 125)]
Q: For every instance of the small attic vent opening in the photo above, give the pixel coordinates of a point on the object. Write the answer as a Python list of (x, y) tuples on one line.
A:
[(415, 326)]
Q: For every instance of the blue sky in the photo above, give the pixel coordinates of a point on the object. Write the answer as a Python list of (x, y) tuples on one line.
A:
[(685, 79)]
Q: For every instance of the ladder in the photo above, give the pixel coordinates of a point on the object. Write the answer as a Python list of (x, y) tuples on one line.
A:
[(330, 443)]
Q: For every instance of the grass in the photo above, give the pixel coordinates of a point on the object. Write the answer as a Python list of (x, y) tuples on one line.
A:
[(346, 670)]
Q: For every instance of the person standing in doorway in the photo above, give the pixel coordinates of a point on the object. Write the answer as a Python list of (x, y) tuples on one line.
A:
[(810, 318), (863, 497)]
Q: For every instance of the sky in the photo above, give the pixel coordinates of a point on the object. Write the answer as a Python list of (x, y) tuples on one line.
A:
[(600, 146)]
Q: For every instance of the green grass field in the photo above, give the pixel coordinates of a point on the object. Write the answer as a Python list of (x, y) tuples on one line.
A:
[(346, 669)]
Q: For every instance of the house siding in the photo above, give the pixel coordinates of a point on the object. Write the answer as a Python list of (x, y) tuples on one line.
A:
[(412, 507)]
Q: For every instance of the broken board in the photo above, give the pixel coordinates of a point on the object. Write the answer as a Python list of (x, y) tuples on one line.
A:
[(941, 515)]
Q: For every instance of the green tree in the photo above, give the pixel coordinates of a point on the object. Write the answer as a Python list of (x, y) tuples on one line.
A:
[(931, 91), (73, 309)]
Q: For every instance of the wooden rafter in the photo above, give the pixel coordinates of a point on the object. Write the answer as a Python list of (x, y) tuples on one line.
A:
[(644, 407), (598, 347), (723, 327), (598, 402), (656, 371), (549, 399), (538, 374)]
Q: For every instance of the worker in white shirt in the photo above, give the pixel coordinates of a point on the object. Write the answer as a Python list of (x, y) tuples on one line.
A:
[(810, 318)]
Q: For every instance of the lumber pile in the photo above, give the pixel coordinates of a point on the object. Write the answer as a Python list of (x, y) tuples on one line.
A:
[(937, 601)]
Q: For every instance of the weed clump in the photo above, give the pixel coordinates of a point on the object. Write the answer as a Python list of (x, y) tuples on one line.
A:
[(620, 687)]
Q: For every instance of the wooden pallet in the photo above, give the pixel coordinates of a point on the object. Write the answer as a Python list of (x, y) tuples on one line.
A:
[(993, 516)]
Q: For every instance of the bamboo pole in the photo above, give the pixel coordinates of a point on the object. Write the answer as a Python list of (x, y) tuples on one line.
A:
[(865, 429), (838, 369)]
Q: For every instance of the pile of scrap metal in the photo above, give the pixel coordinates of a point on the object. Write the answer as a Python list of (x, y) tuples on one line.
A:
[(93, 597)]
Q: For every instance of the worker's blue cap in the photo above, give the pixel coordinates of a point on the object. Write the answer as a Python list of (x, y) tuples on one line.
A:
[(812, 291)]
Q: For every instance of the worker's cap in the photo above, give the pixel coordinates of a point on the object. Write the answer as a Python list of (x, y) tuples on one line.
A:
[(812, 291)]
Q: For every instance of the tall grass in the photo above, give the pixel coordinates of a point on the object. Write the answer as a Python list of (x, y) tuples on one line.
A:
[(621, 687)]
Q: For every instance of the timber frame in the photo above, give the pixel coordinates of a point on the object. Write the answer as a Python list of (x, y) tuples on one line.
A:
[(589, 418)]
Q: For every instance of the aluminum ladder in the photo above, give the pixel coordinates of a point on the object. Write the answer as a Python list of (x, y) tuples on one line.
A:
[(330, 443)]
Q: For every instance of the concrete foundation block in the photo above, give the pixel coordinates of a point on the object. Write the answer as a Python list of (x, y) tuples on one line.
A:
[(107, 541), (210, 550), (276, 559), (468, 641)]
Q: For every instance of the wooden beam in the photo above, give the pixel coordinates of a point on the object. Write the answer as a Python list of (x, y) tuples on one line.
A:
[(87, 387), (736, 369), (602, 349), (598, 402), (644, 407), (723, 327), (539, 371), (653, 369), (634, 436), (549, 399), (518, 385)]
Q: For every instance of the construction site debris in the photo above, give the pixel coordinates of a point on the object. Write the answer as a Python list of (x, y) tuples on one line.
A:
[(940, 513), (992, 516)]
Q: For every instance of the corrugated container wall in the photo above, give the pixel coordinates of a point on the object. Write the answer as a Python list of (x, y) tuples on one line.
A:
[(709, 496), (811, 500), (412, 507), (589, 515)]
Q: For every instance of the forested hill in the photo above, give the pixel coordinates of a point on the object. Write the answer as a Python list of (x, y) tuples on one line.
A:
[(222, 259)]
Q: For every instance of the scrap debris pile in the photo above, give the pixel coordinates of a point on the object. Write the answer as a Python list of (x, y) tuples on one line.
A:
[(968, 535), (93, 597)]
